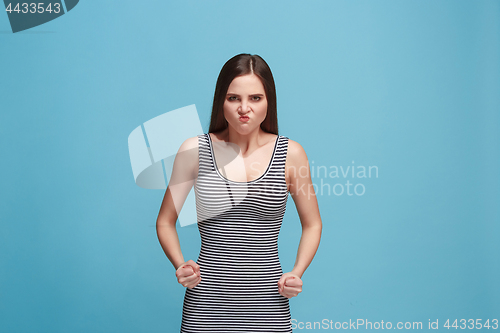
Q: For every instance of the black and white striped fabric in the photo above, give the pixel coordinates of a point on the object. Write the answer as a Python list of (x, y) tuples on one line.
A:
[(239, 223)]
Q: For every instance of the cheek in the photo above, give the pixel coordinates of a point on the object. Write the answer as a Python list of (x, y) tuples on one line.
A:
[(263, 109), (226, 109), (228, 106)]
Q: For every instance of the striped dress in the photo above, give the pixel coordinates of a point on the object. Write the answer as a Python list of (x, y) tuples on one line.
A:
[(239, 223)]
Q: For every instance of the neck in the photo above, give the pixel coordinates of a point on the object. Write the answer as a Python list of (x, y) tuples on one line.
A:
[(248, 142)]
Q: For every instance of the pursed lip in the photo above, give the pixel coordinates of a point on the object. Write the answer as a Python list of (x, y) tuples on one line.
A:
[(244, 118)]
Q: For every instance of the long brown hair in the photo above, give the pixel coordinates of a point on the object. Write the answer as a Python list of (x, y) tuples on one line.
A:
[(238, 65)]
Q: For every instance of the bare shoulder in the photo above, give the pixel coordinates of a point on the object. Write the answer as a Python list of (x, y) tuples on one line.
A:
[(296, 155), (189, 144), (186, 160), (296, 165)]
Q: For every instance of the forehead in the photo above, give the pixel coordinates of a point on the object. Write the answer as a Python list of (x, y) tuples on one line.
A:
[(249, 83)]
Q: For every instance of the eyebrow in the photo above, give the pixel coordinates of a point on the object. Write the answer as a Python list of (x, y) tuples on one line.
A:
[(249, 95)]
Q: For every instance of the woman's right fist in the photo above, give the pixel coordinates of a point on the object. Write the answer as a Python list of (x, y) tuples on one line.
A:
[(188, 274)]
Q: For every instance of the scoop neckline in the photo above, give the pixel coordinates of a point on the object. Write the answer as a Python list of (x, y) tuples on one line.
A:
[(233, 181)]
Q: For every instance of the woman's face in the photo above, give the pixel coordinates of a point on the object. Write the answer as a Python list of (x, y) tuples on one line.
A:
[(245, 106)]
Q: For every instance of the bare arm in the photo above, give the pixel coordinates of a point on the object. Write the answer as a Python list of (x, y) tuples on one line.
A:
[(299, 183), (184, 174), (302, 192)]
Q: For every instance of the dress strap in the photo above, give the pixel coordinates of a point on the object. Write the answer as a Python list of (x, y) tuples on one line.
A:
[(205, 163), (280, 155)]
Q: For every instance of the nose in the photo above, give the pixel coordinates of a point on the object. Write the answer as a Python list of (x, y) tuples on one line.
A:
[(243, 108)]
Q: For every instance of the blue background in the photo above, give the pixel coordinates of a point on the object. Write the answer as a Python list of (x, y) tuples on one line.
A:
[(411, 87)]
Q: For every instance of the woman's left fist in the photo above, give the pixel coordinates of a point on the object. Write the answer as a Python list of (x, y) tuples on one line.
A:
[(289, 285)]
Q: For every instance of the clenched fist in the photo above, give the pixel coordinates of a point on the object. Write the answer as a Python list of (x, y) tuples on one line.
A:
[(188, 274), (289, 285)]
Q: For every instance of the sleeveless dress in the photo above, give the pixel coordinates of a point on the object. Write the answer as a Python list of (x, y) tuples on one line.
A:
[(239, 223)]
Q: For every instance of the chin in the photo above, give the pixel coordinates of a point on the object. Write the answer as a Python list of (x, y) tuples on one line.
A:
[(243, 129)]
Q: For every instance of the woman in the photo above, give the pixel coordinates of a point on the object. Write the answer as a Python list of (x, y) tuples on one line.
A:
[(242, 171)]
